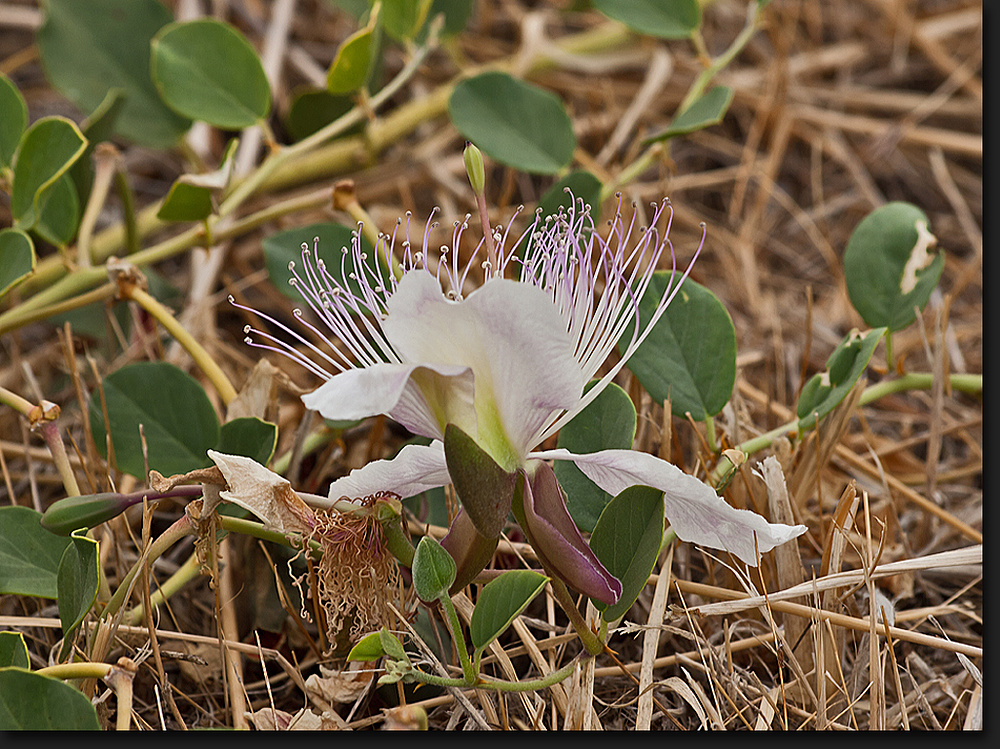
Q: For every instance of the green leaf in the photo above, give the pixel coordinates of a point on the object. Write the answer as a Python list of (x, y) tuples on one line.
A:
[(513, 122), (500, 602), (705, 111), (29, 554), (402, 19), (250, 437), (368, 648), (824, 390), (89, 48), (14, 120), (176, 416), (60, 213), (47, 150), (690, 354), (666, 19), (391, 646), (627, 540), (77, 581), (351, 67), (484, 488), (17, 258), (582, 185), (313, 109), (32, 702), (286, 246), (208, 71), (186, 202), (13, 650), (456, 15), (433, 570), (888, 267), (609, 422)]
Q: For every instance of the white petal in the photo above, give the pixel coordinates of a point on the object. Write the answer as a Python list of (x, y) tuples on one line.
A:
[(509, 333), (416, 468), (696, 513), (423, 398)]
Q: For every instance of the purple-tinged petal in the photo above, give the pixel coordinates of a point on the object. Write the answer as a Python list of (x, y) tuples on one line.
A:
[(415, 469), (557, 541), (695, 512), (509, 333), (470, 549), (423, 398)]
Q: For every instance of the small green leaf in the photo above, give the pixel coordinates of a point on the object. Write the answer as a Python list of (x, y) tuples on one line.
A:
[(77, 579), (208, 71), (824, 390), (391, 646), (513, 122), (250, 437), (690, 354), (433, 570), (484, 488), (368, 648), (351, 67), (402, 19), (705, 111), (89, 48), (500, 602), (32, 702), (177, 419), (609, 422), (29, 554), (666, 19), (313, 109), (13, 650), (326, 240), (60, 213), (627, 540), (888, 265), (17, 258), (186, 202), (49, 147), (14, 120)]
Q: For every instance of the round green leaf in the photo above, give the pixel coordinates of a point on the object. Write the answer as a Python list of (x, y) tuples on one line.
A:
[(666, 19), (824, 390), (350, 68), (609, 422), (29, 554), (207, 70), (89, 48), (627, 540), (17, 258), (176, 416), (13, 650), (250, 437), (433, 570), (888, 266), (60, 213), (500, 602), (513, 122), (286, 246), (47, 150), (32, 702), (706, 110), (14, 120), (690, 354), (77, 581)]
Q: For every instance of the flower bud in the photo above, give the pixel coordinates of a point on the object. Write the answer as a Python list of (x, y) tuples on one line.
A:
[(474, 168), (70, 514)]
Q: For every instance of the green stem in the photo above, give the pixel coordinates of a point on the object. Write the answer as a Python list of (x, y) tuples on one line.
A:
[(591, 642), (529, 685), (76, 670), (459, 639)]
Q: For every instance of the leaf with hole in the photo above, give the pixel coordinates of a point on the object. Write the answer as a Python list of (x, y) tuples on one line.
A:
[(889, 266), (609, 422), (627, 540), (500, 602), (207, 70), (513, 122), (690, 354), (29, 554), (176, 417), (89, 48)]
